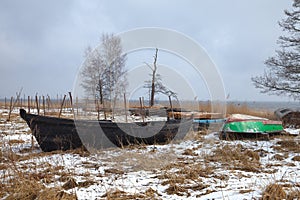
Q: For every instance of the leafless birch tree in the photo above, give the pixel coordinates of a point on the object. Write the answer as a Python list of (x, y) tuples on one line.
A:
[(103, 73)]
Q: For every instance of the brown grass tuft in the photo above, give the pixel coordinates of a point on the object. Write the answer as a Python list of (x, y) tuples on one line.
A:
[(236, 157), (278, 157), (71, 183), (22, 189), (288, 145), (151, 193), (113, 171), (175, 189), (296, 158), (189, 152), (15, 141), (294, 194), (121, 195), (274, 191)]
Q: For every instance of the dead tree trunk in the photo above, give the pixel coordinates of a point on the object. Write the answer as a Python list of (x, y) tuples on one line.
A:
[(154, 69)]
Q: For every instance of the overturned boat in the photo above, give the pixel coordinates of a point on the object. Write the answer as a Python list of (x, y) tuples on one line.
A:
[(54, 133), (290, 117), (249, 127)]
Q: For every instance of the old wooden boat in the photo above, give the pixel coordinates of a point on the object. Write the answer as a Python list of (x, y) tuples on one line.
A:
[(202, 124), (290, 117), (254, 128), (54, 133)]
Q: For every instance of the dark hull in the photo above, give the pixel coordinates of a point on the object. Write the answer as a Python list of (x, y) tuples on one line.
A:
[(230, 135), (63, 134)]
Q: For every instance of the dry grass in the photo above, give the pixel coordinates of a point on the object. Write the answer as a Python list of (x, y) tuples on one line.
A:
[(232, 108), (140, 159), (116, 194), (236, 157), (187, 178), (274, 191), (244, 109), (15, 141), (293, 194), (287, 144), (28, 188), (27, 181), (296, 158)]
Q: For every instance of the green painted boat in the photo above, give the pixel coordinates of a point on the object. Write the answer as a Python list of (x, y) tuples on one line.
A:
[(242, 129)]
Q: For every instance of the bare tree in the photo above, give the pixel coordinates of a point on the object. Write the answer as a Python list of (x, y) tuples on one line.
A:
[(282, 76), (103, 73), (155, 85), (93, 74)]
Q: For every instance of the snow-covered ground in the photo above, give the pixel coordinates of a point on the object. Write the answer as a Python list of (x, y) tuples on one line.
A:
[(199, 167)]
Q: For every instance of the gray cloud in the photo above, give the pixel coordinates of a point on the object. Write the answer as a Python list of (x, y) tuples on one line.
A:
[(42, 42)]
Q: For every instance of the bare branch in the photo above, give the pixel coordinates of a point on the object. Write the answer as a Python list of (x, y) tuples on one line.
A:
[(282, 76)]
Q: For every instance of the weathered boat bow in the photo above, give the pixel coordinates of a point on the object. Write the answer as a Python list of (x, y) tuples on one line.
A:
[(53, 133)]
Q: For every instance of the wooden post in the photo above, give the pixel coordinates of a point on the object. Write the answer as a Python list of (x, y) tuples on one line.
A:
[(141, 105), (171, 106), (48, 103), (71, 102), (125, 105), (62, 105), (40, 101), (44, 107), (57, 101), (37, 104), (10, 108), (28, 102), (77, 106)]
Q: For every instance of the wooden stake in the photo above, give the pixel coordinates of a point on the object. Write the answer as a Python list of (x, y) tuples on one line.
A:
[(77, 106), (10, 108), (28, 102), (44, 107), (141, 105), (62, 105), (12, 105), (171, 106), (125, 105), (71, 102), (48, 103), (37, 104)]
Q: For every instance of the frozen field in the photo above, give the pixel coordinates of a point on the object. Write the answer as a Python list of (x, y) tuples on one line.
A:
[(199, 167)]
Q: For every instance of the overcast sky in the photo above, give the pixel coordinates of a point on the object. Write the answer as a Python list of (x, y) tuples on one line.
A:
[(42, 43)]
